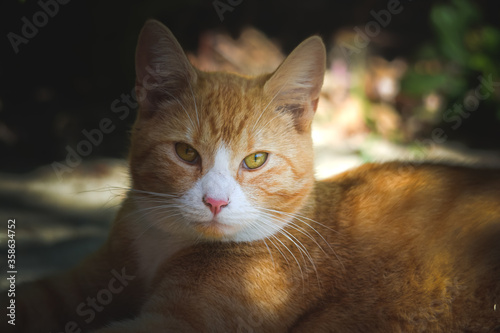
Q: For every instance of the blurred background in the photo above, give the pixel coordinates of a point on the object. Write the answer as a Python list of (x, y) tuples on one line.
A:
[(405, 79)]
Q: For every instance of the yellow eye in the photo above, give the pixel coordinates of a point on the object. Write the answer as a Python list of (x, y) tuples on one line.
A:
[(255, 160), (186, 152)]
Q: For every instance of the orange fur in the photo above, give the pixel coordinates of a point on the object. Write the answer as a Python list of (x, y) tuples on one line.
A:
[(395, 247)]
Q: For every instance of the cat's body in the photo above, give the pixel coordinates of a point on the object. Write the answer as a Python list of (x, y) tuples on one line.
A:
[(389, 268), (226, 230)]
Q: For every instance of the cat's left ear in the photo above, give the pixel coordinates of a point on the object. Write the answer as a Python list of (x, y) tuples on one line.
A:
[(162, 69), (296, 85)]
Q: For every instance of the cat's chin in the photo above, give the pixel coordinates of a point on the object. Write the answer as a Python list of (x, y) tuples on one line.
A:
[(216, 230)]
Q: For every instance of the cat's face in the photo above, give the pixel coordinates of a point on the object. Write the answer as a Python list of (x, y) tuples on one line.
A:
[(218, 155)]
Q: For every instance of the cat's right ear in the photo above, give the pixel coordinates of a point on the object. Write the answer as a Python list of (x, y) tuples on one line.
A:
[(296, 84), (162, 68)]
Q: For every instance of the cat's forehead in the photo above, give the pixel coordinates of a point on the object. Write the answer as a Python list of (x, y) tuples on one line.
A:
[(229, 109), (229, 100), (226, 89)]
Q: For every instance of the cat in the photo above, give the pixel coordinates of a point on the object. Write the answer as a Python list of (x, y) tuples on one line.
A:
[(225, 228)]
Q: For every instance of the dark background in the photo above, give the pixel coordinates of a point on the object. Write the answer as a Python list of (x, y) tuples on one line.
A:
[(66, 77)]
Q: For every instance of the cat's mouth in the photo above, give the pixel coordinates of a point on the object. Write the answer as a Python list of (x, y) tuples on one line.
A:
[(215, 229)]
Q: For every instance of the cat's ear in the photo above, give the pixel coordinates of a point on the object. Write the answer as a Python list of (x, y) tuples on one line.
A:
[(296, 85), (162, 68)]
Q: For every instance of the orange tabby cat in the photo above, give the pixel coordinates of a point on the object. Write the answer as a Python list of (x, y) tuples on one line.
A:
[(226, 230)]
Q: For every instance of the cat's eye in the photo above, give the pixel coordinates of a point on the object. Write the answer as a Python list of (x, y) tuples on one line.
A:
[(186, 152), (255, 160)]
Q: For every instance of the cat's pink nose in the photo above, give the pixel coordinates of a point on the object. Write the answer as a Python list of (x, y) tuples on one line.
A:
[(215, 205)]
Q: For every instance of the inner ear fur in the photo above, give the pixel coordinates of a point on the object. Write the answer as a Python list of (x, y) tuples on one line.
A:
[(296, 85), (162, 69)]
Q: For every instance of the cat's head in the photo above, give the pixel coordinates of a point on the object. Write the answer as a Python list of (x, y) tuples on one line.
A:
[(220, 155)]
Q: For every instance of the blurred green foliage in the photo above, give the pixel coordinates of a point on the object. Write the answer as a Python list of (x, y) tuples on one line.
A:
[(462, 48)]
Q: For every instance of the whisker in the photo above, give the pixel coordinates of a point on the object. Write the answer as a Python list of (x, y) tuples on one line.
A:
[(269, 250), (195, 106), (112, 197), (289, 238), (301, 218), (286, 247), (277, 228), (164, 195), (146, 210), (105, 189), (267, 124), (153, 200), (182, 106), (255, 226), (157, 222), (295, 258), (272, 99), (300, 246), (303, 231)]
